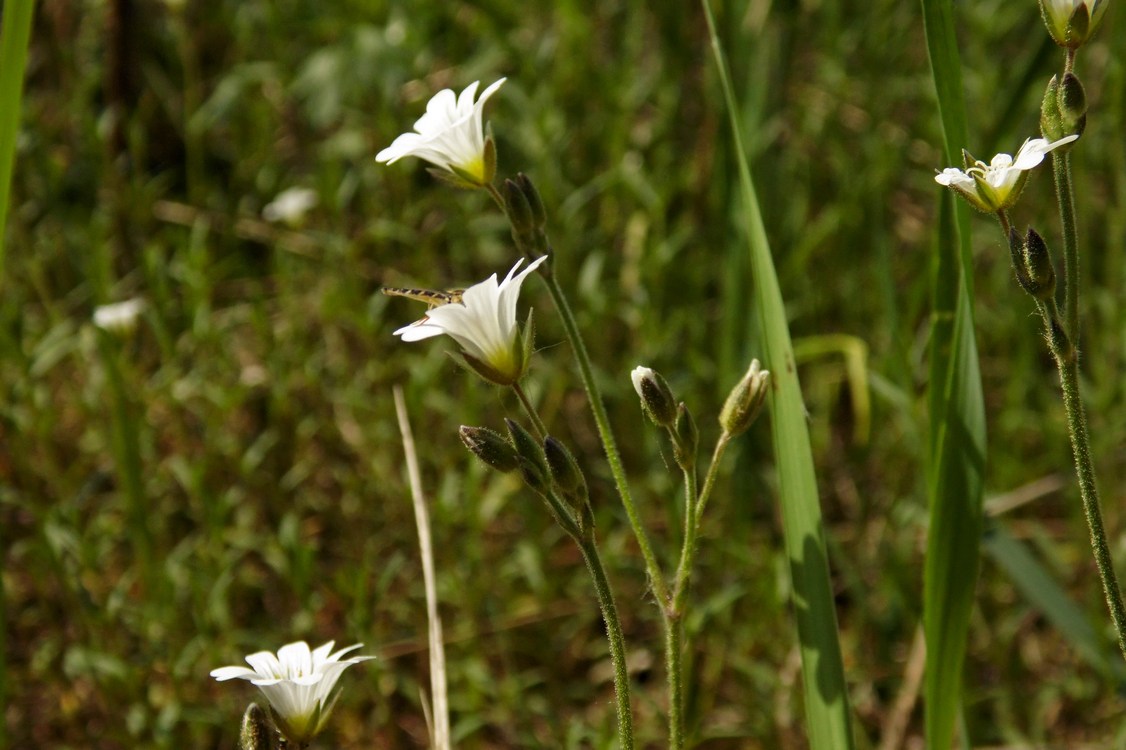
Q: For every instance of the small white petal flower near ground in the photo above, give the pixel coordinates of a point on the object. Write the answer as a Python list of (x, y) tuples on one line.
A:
[(450, 135), (119, 317), (290, 205), (297, 682), (1058, 15), (483, 323), (996, 186)]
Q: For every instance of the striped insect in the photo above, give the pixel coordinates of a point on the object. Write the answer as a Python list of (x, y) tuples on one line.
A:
[(430, 297)]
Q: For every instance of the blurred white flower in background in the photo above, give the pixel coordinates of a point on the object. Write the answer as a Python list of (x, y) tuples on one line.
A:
[(290, 205), (119, 317)]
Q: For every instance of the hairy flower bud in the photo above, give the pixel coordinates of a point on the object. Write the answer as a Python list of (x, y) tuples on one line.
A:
[(745, 400), (657, 400), (565, 471), (491, 447), (535, 203), (533, 465), (257, 733), (687, 437), (1038, 264), (520, 217)]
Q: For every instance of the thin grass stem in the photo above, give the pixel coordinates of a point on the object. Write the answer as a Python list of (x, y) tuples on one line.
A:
[(439, 693)]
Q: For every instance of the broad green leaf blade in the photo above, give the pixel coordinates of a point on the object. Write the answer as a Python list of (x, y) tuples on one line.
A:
[(15, 33), (827, 709), (1043, 592), (957, 415)]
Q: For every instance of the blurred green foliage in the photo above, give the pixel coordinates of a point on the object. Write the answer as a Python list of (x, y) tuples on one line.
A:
[(258, 383)]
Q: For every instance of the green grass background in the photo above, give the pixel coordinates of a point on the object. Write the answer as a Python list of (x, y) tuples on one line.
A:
[(269, 501)]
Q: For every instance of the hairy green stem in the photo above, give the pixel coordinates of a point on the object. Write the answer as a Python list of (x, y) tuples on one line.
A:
[(613, 635), (674, 614), (537, 423), (1065, 194), (1066, 353), (605, 432), (1081, 449), (674, 668)]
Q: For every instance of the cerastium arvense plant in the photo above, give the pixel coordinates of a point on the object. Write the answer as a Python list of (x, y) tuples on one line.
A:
[(482, 320), (994, 188)]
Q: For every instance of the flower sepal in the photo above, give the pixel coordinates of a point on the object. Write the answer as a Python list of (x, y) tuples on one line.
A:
[(454, 177), (504, 378), (527, 342)]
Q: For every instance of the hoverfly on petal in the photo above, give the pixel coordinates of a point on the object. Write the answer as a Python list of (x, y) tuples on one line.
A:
[(430, 297)]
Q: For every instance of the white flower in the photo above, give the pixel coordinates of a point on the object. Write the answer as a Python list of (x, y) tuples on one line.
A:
[(290, 205), (297, 682), (451, 136), (120, 317), (483, 323), (1058, 15), (996, 186)]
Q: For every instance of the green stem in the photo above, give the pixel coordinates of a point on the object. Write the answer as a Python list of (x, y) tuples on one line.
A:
[(673, 616), (1067, 360), (1068, 363), (605, 432), (537, 423), (1065, 194), (613, 636), (674, 635), (688, 546)]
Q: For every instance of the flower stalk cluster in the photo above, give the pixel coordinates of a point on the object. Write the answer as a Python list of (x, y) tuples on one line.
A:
[(482, 321), (995, 188)]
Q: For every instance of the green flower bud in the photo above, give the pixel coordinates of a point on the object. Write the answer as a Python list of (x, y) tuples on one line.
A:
[(687, 437), (656, 397), (539, 213), (1016, 254), (565, 471), (745, 400), (257, 732), (533, 465), (520, 217), (1072, 104), (1039, 267), (491, 447), (1051, 123)]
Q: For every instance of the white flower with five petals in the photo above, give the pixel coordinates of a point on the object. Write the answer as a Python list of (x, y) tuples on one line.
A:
[(297, 682), (996, 186), (451, 136), (483, 323)]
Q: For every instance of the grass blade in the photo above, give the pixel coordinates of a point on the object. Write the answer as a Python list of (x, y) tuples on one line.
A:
[(957, 415), (828, 715), (1044, 592), (15, 33)]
